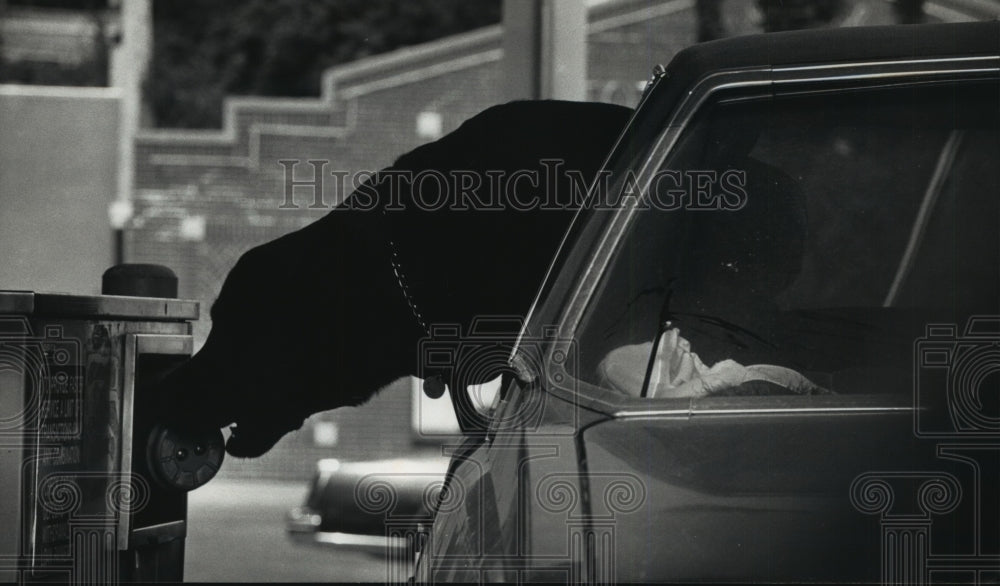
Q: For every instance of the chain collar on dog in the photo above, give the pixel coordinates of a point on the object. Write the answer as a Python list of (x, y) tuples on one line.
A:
[(397, 269), (434, 385)]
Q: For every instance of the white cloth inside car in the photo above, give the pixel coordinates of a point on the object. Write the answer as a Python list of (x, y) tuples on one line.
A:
[(679, 372)]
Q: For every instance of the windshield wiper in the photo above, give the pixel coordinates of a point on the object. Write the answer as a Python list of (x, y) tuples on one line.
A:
[(734, 334), (664, 324)]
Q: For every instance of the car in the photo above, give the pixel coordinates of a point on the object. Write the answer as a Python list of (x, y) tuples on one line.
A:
[(767, 347), (368, 506)]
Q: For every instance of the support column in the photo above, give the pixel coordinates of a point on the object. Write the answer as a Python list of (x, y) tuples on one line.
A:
[(129, 64), (545, 49)]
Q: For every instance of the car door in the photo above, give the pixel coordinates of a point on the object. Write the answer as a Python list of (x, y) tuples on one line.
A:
[(476, 519), (502, 516)]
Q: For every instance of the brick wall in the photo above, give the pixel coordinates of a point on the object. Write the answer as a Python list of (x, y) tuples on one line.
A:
[(204, 197)]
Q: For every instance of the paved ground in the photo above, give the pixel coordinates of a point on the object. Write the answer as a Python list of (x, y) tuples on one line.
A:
[(236, 533)]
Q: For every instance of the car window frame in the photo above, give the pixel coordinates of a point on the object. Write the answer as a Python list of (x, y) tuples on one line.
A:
[(731, 85)]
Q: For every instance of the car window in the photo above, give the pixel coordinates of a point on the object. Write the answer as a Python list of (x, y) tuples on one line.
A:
[(802, 245)]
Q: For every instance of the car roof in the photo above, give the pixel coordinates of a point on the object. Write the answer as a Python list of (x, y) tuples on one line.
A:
[(837, 45), (815, 47)]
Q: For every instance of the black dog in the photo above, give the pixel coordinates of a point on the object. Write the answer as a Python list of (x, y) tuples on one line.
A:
[(326, 316)]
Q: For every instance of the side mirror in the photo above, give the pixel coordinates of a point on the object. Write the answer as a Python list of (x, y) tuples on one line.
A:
[(473, 405)]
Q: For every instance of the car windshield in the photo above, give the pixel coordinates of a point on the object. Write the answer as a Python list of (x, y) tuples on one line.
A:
[(802, 245)]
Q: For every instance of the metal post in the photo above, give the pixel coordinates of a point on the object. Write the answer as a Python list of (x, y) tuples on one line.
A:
[(128, 71), (545, 49)]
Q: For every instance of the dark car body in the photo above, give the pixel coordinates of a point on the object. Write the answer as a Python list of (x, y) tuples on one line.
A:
[(886, 141)]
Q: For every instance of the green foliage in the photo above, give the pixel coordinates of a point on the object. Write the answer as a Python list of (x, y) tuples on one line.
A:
[(206, 49)]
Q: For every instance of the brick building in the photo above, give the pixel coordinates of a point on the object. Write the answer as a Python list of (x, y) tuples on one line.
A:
[(204, 197)]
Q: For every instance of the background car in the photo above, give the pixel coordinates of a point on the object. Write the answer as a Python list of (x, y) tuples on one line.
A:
[(369, 506)]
